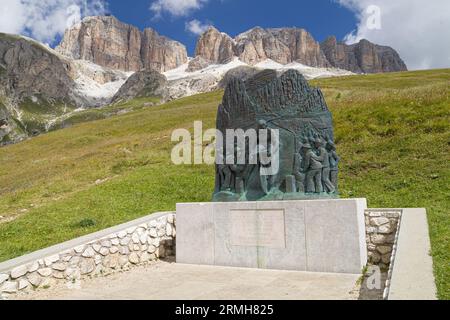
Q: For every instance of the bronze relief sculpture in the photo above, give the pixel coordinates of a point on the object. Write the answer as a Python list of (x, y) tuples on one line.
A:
[(292, 121)]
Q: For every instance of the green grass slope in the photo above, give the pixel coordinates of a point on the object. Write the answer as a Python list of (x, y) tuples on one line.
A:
[(392, 132)]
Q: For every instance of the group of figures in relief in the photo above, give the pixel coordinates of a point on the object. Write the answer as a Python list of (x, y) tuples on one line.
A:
[(316, 165), (308, 168)]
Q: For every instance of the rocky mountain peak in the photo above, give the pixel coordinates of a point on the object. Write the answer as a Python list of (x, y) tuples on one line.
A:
[(282, 45), (330, 40), (34, 83), (160, 53), (288, 45), (362, 57), (108, 42), (215, 46), (28, 68), (251, 32)]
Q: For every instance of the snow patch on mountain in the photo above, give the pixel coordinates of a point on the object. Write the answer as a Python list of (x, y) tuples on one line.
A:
[(216, 70), (308, 72), (183, 83), (96, 85)]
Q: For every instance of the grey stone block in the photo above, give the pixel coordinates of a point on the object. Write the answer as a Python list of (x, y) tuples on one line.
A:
[(312, 235), (227, 251), (335, 236), (197, 240)]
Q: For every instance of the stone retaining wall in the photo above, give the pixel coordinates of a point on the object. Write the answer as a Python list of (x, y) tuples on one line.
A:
[(135, 244), (381, 230)]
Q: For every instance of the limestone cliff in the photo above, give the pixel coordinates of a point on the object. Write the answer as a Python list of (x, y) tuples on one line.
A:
[(215, 46), (160, 53), (284, 45), (256, 45), (362, 57), (108, 42), (287, 45)]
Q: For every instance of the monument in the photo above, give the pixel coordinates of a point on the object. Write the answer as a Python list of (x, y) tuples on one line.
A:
[(308, 162), (275, 203)]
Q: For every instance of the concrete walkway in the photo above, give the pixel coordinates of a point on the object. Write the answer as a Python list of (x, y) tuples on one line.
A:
[(164, 280)]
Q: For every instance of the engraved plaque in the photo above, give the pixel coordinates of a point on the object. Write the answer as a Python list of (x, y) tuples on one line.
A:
[(258, 228)]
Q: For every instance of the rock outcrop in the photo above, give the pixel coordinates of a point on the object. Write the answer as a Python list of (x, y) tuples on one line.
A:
[(160, 53), (28, 68), (288, 45), (150, 84), (198, 63), (362, 57), (215, 46), (106, 41), (284, 45), (35, 85), (9, 130), (256, 45)]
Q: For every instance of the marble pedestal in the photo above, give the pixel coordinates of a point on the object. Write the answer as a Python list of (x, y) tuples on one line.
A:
[(305, 235)]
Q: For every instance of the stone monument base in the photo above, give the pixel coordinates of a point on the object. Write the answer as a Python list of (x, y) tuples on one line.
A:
[(304, 235)]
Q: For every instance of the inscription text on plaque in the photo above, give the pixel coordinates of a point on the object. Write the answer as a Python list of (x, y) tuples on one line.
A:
[(260, 228)]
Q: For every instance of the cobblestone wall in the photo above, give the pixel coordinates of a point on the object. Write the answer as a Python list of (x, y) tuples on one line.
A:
[(118, 251), (381, 230)]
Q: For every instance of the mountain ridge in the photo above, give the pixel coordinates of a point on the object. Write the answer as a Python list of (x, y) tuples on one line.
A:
[(287, 45), (129, 49), (362, 57), (41, 87)]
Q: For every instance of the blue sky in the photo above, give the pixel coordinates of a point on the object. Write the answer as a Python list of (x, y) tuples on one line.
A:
[(320, 17)]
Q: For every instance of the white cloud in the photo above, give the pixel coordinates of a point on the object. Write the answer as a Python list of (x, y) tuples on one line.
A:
[(176, 8), (44, 20), (12, 17), (417, 29), (197, 27)]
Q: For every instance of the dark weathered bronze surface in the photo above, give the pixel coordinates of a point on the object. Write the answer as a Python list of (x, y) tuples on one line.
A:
[(308, 162)]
